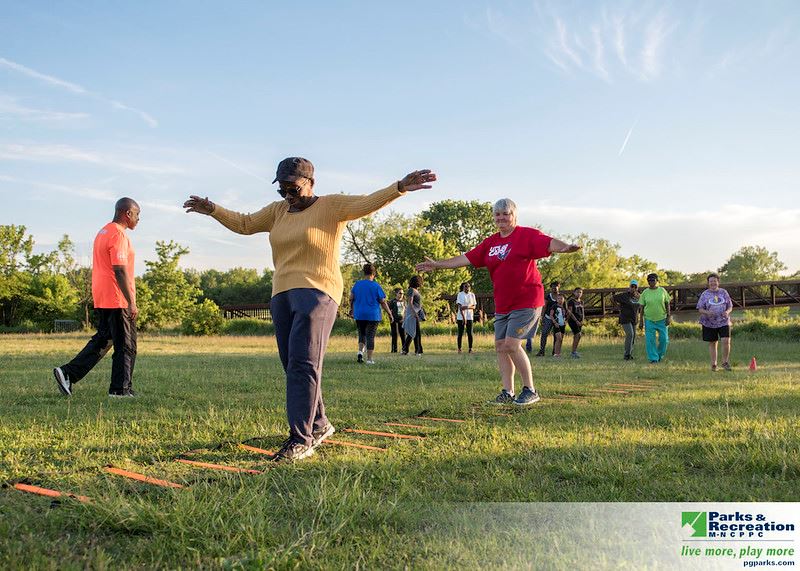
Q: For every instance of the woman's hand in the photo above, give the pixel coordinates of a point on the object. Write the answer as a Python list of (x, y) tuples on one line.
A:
[(416, 180), (426, 266), (200, 205)]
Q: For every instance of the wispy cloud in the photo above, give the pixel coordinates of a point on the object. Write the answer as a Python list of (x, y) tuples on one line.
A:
[(656, 33), (76, 89), (56, 153), (82, 191), (778, 44), (721, 231), (606, 45), (11, 108)]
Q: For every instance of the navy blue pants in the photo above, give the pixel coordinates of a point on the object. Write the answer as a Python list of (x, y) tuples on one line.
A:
[(303, 320), (115, 328)]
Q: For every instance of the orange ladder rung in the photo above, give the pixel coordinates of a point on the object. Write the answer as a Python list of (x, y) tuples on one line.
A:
[(256, 450), (222, 467), (386, 434), (441, 419), (353, 445), (48, 492), (141, 477)]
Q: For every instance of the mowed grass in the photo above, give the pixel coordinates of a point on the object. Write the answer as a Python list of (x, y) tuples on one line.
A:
[(695, 436)]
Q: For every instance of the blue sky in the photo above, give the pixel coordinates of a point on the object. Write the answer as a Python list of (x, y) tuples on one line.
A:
[(670, 128)]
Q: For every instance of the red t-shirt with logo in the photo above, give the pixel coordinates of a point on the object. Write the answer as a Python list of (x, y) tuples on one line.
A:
[(111, 248), (511, 262)]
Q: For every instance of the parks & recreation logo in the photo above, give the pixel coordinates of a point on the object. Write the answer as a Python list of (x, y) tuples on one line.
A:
[(735, 525)]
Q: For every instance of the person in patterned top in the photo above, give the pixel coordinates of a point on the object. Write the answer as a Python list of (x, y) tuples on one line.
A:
[(715, 306)]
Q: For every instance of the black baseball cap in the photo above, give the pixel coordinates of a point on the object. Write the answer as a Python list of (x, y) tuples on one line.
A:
[(652, 277), (293, 168)]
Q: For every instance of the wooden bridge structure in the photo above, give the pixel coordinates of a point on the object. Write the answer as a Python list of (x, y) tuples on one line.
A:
[(599, 303), (745, 295)]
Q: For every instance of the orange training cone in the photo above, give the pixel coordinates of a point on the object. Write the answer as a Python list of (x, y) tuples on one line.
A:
[(753, 364)]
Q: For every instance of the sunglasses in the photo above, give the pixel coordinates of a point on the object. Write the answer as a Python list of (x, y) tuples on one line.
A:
[(294, 191)]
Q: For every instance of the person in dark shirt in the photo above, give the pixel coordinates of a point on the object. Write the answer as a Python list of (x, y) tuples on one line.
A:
[(397, 308), (628, 302), (547, 323), (575, 316)]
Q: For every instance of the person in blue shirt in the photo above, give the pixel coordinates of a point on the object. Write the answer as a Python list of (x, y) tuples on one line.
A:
[(366, 300)]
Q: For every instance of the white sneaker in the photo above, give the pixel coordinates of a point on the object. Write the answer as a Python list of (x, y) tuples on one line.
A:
[(63, 382), (370, 362), (319, 437)]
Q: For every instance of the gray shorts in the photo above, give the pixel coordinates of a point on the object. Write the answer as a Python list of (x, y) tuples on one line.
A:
[(519, 324)]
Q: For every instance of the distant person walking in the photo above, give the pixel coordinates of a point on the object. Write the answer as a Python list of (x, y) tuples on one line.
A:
[(413, 315), (628, 302), (558, 317), (547, 323), (305, 233), (656, 318), (397, 307), (575, 317), (715, 306), (510, 256), (465, 308), (366, 300), (114, 295)]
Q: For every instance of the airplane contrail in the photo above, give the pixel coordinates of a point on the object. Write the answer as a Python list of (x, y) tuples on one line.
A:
[(627, 138)]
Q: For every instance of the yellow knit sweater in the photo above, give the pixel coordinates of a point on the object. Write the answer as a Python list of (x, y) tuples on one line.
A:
[(305, 244)]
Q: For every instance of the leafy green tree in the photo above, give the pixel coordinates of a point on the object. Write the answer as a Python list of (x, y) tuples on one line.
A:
[(597, 264), (752, 264), (15, 249), (464, 223), (203, 319), (164, 295), (634, 267), (698, 278), (397, 254), (49, 297), (358, 240), (672, 277), (236, 286)]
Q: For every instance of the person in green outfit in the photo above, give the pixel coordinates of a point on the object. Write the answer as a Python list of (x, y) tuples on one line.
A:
[(656, 318)]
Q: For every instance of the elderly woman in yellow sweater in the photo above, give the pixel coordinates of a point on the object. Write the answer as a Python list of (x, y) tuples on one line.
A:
[(305, 233)]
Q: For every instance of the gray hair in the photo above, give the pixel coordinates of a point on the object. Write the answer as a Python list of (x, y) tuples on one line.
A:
[(505, 205)]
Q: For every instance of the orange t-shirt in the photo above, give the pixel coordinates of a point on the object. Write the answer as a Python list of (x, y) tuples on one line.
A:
[(111, 248)]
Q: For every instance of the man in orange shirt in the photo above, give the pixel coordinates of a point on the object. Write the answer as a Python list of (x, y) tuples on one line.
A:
[(114, 294)]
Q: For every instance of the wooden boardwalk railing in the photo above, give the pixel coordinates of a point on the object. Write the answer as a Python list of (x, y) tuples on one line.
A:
[(600, 302)]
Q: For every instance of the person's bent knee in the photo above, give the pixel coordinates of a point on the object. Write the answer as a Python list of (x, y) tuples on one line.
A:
[(507, 345)]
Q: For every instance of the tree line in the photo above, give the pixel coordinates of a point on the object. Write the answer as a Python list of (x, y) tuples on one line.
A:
[(36, 289)]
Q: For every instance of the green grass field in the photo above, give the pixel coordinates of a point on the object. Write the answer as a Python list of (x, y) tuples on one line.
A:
[(682, 434)]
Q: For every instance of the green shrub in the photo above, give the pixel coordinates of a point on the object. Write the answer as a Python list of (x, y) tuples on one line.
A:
[(202, 319), (24, 326), (248, 326), (768, 314)]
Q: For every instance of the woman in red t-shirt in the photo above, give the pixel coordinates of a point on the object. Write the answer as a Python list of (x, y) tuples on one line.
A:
[(510, 256)]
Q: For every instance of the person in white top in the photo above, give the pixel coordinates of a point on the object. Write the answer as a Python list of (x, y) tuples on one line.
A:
[(465, 313)]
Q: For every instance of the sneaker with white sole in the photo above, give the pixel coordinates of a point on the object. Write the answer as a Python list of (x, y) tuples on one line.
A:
[(504, 397), (370, 362), (63, 382), (292, 451), (360, 357), (526, 397), (122, 394), (320, 436)]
